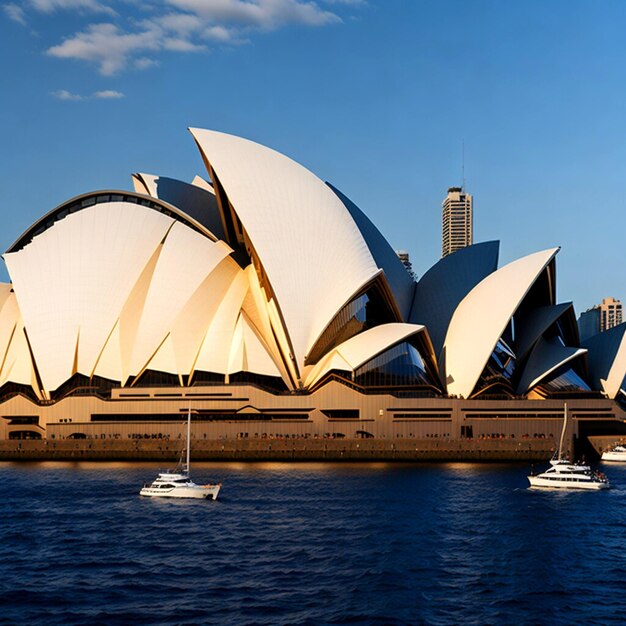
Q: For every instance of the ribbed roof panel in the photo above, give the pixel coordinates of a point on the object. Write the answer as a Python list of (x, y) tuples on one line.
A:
[(308, 244), (482, 317)]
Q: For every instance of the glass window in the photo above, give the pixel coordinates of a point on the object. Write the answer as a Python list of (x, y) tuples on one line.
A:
[(398, 366)]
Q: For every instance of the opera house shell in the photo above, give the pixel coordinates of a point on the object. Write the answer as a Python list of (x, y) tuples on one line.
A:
[(266, 297)]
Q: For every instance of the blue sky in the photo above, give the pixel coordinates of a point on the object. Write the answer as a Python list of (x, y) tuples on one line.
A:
[(375, 96)]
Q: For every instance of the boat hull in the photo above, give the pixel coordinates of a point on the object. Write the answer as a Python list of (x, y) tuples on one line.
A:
[(536, 482), (614, 457), (204, 492)]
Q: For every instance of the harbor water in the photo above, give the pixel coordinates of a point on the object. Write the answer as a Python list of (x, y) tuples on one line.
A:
[(309, 544)]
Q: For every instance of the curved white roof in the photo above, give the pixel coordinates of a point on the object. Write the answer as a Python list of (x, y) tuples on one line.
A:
[(72, 280), (197, 200), (185, 260), (15, 360), (190, 327), (361, 348), (321, 258), (607, 359), (617, 374), (545, 358), (400, 281), (536, 323), (214, 353), (116, 288), (482, 317), (247, 353), (441, 289), (257, 311)]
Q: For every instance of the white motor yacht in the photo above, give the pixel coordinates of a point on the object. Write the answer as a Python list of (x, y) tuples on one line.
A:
[(616, 455), (178, 484), (563, 474)]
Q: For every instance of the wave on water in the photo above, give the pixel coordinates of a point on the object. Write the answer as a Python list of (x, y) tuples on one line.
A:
[(308, 545)]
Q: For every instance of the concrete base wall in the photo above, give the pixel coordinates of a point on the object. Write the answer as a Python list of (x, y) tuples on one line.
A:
[(280, 450), (150, 423)]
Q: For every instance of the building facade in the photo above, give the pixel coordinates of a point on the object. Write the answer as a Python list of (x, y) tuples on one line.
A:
[(600, 318), (610, 313), (266, 301), (457, 221)]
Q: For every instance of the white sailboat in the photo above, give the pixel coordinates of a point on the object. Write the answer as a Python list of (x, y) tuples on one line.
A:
[(563, 474), (178, 484)]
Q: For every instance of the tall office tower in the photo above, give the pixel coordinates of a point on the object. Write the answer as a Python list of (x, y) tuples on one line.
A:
[(610, 313), (457, 221), (599, 318)]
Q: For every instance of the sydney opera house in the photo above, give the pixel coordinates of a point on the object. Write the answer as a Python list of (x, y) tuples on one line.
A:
[(265, 301)]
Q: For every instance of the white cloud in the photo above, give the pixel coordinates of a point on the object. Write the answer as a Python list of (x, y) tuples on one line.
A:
[(219, 33), (178, 44), (143, 63), (181, 23), (15, 12), (349, 2), (108, 46), (108, 94), (63, 94), (50, 6), (266, 14), (185, 26)]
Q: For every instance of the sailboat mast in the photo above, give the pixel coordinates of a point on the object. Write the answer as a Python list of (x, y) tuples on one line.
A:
[(563, 431), (188, 436)]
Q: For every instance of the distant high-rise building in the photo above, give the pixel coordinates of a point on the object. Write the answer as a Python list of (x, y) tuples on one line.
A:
[(599, 318), (403, 255), (610, 313), (457, 218), (589, 323)]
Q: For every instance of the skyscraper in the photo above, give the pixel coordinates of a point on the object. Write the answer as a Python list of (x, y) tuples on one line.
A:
[(610, 313), (599, 318), (457, 218)]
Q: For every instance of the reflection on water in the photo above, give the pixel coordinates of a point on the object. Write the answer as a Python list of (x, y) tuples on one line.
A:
[(308, 543)]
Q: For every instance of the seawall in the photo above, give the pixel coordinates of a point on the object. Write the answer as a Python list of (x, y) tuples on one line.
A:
[(281, 450)]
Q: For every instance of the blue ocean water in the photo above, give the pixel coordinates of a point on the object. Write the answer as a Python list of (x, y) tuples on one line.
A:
[(306, 544)]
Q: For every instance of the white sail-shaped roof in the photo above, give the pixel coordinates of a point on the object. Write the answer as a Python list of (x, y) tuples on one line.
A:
[(546, 357), (15, 360), (361, 348), (5, 293), (482, 317), (196, 200), (18, 365), (190, 327), (186, 259), (308, 244), (214, 353), (72, 280), (616, 378), (257, 358), (607, 359), (256, 308), (164, 359), (109, 364), (536, 323), (400, 281), (247, 353), (9, 317)]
